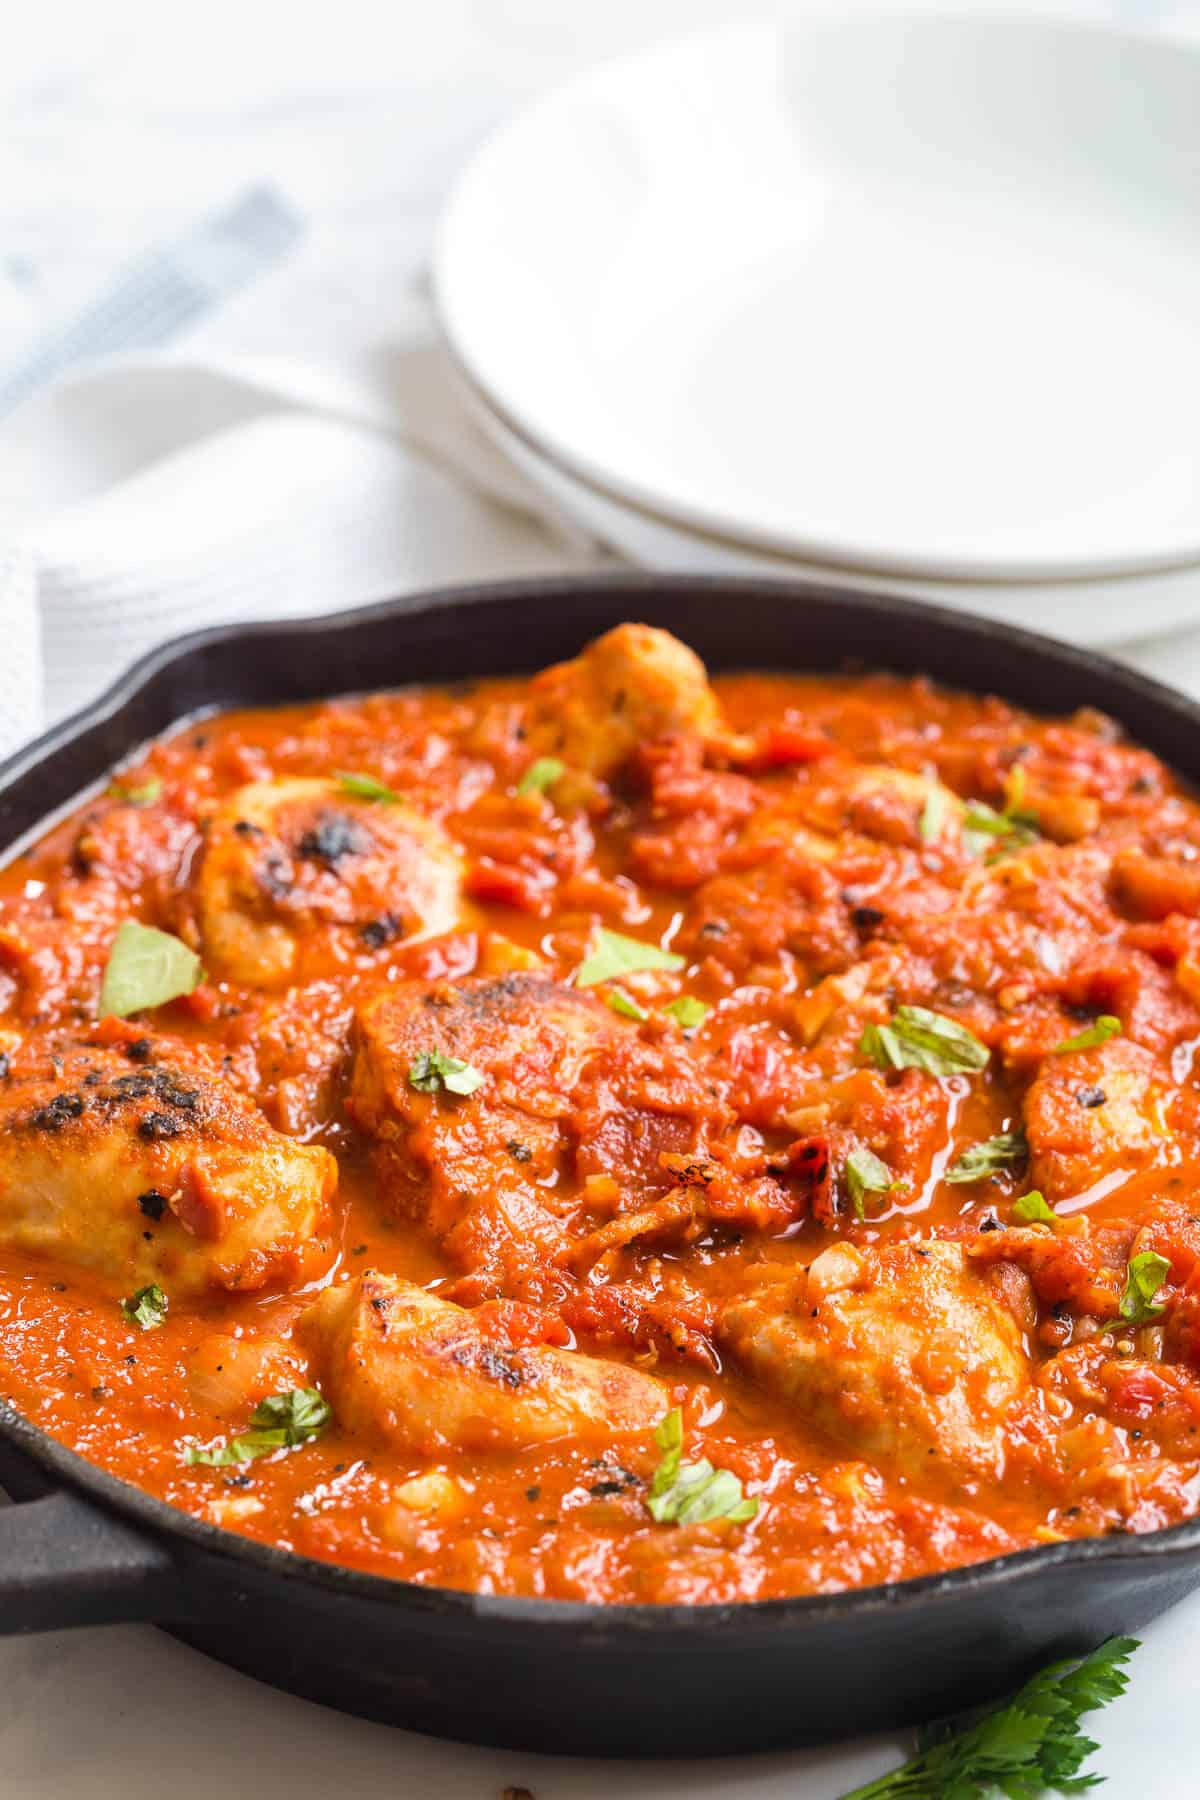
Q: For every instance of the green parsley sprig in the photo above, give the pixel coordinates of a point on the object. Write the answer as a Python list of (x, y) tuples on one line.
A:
[(1032, 1745)]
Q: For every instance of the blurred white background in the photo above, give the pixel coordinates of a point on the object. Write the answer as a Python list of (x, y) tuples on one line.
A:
[(120, 122)]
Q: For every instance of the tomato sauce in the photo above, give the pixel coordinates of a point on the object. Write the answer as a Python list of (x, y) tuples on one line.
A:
[(816, 854)]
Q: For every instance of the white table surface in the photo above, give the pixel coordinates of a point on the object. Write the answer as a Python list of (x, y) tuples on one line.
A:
[(119, 123)]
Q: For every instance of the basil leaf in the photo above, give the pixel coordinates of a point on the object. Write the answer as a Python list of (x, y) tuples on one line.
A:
[(541, 775), (687, 1011), (146, 968), (1013, 828), (689, 1493), (612, 955), (1144, 1275), (865, 1174), (916, 1038), (365, 787), (1031, 1209), (1104, 1028), (147, 1308), (143, 795), (933, 816), (280, 1422), (992, 1154), (625, 1004), (431, 1070)]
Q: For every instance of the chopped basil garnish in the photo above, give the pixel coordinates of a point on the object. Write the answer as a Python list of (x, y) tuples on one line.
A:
[(1144, 1275), (613, 955), (1104, 1028), (1029, 1747), (147, 1308), (687, 1011), (145, 794), (1031, 1209), (689, 1493), (280, 1422), (865, 1174), (541, 775), (916, 1038), (1011, 829), (146, 968), (431, 1070), (992, 1154), (625, 1004), (933, 816), (365, 787)]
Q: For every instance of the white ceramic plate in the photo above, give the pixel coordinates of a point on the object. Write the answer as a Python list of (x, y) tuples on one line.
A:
[(913, 293), (1095, 611)]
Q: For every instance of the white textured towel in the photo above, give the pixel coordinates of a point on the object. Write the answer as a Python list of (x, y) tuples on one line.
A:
[(153, 497), (149, 496)]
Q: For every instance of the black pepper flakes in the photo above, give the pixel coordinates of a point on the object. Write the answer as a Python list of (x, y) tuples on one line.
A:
[(158, 1125), (866, 918), (55, 1114), (378, 932), (333, 836)]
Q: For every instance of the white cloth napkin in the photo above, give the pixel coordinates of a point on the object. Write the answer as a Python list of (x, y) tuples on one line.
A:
[(149, 496)]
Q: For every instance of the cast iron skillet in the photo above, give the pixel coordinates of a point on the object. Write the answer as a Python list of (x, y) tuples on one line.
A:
[(83, 1548)]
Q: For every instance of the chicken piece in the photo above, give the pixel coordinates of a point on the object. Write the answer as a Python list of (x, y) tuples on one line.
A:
[(1091, 1112), (571, 1099), (628, 687), (409, 1370), (904, 1353), (440, 1158), (126, 1155), (285, 861)]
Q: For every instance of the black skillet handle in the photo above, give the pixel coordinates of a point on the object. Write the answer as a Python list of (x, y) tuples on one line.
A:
[(64, 1562)]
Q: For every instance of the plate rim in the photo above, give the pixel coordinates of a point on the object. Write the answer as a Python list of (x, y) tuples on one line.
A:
[(447, 292)]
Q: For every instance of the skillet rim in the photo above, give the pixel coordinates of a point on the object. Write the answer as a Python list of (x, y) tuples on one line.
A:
[(677, 1622)]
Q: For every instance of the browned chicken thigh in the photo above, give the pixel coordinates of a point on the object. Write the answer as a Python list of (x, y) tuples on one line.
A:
[(289, 861), (413, 1371), (904, 1353), (132, 1158)]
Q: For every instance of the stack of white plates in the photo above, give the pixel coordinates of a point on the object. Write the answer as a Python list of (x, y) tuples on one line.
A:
[(905, 302)]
